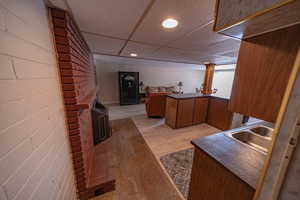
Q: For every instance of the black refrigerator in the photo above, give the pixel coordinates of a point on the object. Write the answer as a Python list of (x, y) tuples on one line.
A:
[(129, 88)]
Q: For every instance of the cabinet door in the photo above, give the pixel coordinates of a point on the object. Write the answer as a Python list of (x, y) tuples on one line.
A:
[(171, 112), (263, 69), (200, 110), (218, 114), (185, 112), (212, 181)]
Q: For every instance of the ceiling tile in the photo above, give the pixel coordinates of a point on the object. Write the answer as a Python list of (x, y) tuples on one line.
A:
[(143, 63), (189, 13), (141, 49), (104, 45), (218, 60), (198, 39), (233, 54), (224, 46), (191, 57), (108, 17), (171, 54)]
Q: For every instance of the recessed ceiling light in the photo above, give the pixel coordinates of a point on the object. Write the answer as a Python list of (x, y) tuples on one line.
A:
[(133, 55), (169, 23), (206, 63)]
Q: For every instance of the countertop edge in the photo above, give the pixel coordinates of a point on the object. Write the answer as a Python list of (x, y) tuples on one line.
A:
[(223, 164), (191, 96), (247, 179)]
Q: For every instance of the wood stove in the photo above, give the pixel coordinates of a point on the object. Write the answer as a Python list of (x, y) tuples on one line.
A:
[(100, 120)]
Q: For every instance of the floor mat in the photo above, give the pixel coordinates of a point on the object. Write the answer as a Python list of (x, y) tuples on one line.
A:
[(179, 167)]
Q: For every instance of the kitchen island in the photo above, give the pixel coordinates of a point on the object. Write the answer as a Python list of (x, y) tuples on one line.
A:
[(189, 109)]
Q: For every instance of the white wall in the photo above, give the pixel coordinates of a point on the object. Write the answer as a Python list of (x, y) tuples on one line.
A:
[(35, 161), (107, 77), (223, 81)]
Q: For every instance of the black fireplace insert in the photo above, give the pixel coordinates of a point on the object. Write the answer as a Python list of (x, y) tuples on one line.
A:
[(100, 121)]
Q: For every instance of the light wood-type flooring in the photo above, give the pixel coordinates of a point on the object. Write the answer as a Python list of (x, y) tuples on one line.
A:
[(163, 140), (137, 145), (122, 112), (138, 175)]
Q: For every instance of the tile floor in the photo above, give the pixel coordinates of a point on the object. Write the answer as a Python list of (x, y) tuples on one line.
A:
[(122, 112)]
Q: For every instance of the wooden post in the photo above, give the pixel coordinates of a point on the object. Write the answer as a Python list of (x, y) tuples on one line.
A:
[(209, 75)]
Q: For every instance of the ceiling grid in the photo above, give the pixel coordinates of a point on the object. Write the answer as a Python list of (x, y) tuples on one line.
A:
[(119, 28)]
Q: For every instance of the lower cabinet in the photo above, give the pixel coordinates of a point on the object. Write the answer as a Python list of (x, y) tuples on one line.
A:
[(171, 112), (200, 110), (186, 112), (223, 184), (218, 114), (183, 112)]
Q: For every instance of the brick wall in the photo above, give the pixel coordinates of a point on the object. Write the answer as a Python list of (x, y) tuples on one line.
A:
[(35, 161), (77, 73)]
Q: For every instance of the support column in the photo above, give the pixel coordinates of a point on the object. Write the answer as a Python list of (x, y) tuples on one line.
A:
[(209, 75)]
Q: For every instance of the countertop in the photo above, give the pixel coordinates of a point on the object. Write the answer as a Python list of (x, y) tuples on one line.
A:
[(243, 161), (219, 96), (195, 95)]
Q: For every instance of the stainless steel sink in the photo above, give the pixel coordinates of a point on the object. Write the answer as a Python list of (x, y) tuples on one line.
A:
[(258, 138), (263, 131)]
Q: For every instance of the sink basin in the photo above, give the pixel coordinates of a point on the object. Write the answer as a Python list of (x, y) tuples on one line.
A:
[(258, 138), (253, 140), (263, 131)]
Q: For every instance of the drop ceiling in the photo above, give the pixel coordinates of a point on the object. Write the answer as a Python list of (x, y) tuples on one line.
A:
[(121, 27)]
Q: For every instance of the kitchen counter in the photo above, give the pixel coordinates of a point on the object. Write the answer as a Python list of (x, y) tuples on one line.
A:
[(243, 161), (219, 96), (184, 110), (187, 95), (195, 95), (189, 109)]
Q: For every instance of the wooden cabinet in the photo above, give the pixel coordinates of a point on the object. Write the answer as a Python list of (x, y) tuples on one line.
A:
[(218, 114), (182, 112), (263, 69), (248, 18), (171, 112), (200, 111), (210, 180), (185, 112)]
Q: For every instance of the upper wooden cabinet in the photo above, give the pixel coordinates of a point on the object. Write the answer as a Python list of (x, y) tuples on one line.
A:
[(248, 18), (263, 69), (218, 114)]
